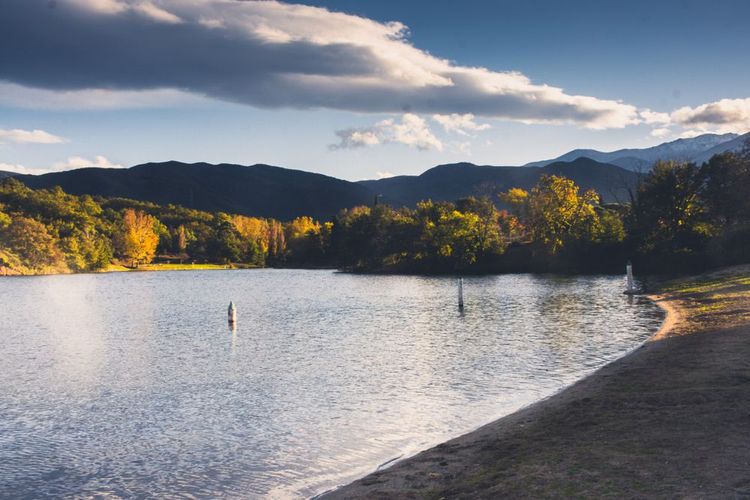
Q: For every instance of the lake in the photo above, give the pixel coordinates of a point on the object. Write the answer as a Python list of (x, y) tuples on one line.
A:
[(132, 384)]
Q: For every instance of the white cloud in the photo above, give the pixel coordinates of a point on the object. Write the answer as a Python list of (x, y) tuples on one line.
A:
[(719, 117), (156, 13), (654, 117), (355, 138), (463, 124), (19, 136), (660, 132), (109, 7), (385, 175), (726, 115), (211, 23), (144, 7), (71, 163), (689, 134), (13, 95), (80, 162), (20, 169), (412, 131), (271, 54)]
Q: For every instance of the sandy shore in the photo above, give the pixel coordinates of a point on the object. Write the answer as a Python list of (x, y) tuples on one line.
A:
[(671, 419)]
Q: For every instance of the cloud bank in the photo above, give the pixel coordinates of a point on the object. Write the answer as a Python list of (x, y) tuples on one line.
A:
[(71, 163), (271, 55), (719, 117), (14, 95), (80, 162), (19, 136), (726, 115)]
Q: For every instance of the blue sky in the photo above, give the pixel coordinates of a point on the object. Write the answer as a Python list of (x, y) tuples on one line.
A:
[(645, 72)]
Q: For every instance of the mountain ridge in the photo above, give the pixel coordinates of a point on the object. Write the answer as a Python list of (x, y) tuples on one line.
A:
[(268, 191), (282, 193), (458, 180), (262, 190), (687, 149)]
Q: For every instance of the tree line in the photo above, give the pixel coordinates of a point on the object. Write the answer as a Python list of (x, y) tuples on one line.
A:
[(49, 231), (680, 217)]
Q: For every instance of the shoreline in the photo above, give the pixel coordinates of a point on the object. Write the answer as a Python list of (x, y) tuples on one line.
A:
[(145, 268), (671, 317), (623, 430)]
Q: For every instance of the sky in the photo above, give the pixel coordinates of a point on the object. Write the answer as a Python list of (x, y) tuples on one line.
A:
[(362, 89)]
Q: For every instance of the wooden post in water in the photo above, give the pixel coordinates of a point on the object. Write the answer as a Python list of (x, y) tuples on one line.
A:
[(232, 314), (631, 283), (460, 294)]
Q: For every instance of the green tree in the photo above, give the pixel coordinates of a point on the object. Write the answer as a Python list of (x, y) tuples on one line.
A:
[(30, 240), (490, 237), (226, 243), (4, 219), (726, 188), (669, 213)]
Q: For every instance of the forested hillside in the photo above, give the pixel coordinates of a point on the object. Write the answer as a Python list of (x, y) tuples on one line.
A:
[(273, 192), (460, 180), (259, 190), (680, 217)]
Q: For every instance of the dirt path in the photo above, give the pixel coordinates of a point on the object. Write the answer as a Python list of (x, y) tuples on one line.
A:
[(672, 419)]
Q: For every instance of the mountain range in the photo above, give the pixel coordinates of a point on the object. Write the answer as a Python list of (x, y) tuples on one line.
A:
[(459, 180), (268, 191), (696, 149), (260, 190)]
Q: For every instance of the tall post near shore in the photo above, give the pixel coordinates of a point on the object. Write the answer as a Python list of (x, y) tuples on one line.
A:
[(460, 294), (631, 283), (232, 314)]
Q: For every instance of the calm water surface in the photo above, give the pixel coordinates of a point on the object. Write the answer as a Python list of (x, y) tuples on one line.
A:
[(128, 385)]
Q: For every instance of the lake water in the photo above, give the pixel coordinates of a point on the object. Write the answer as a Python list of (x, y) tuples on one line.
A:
[(131, 384)]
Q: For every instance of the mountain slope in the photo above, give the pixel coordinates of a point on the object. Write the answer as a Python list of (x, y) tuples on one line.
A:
[(259, 190), (643, 159), (735, 144), (459, 180), (4, 174), (267, 191)]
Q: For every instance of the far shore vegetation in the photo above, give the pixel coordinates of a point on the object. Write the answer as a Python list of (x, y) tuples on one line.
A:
[(682, 217)]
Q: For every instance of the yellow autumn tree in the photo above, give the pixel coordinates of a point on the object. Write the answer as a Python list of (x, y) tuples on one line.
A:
[(253, 229), (301, 227), (138, 238), (555, 211), (301, 235)]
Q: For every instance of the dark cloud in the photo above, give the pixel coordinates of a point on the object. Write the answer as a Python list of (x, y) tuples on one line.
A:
[(265, 54)]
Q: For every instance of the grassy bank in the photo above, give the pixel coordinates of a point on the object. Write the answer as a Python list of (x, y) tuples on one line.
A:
[(176, 267), (117, 268), (669, 420)]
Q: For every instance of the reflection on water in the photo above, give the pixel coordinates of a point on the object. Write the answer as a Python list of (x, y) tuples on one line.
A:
[(133, 384)]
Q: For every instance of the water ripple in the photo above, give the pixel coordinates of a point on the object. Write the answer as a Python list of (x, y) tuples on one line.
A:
[(131, 385)]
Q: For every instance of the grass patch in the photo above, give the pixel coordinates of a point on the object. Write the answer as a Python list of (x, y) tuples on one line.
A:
[(176, 267), (719, 299)]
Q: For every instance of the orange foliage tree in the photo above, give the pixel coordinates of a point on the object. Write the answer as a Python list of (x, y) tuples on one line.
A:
[(138, 238)]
